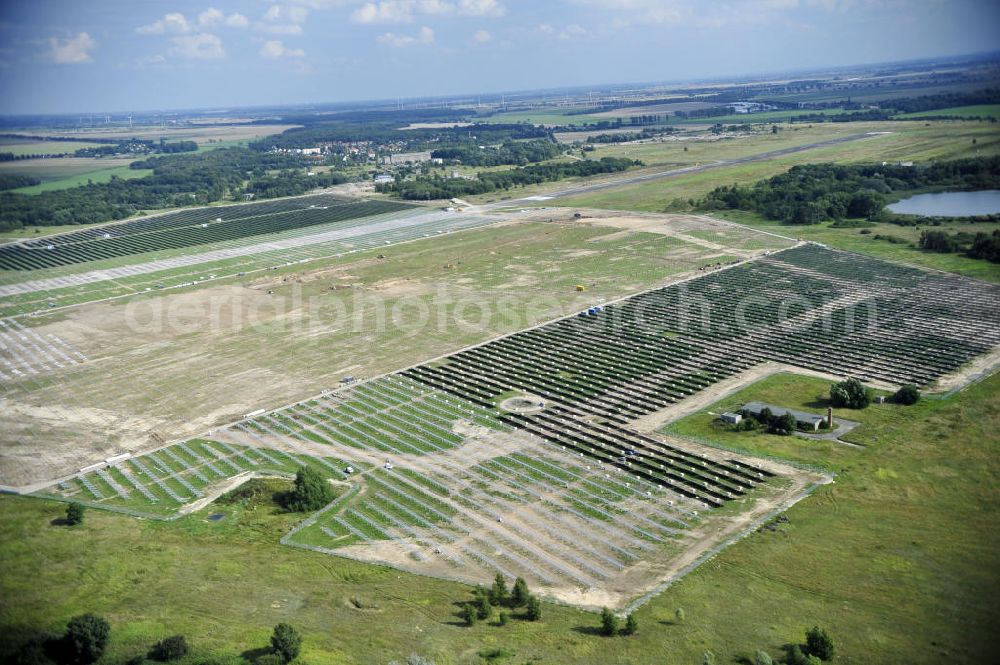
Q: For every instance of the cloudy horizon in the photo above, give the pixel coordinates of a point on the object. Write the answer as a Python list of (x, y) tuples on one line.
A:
[(60, 57)]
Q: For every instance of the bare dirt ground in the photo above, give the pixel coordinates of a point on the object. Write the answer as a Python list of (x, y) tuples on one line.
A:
[(971, 371)]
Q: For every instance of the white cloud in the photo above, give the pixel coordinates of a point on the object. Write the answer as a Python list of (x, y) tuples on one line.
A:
[(291, 14), (176, 23), (480, 8), (274, 49), (73, 50), (388, 11), (237, 20), (282, 20), (173, 23), (571, 31), (404, 11), (203, 46), (210, 17), (424, 36), (481, 36)]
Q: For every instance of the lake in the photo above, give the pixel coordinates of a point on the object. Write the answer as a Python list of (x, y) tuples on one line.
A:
[(950, 204)]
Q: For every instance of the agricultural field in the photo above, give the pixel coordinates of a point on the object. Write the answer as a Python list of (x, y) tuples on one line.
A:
[(66, 172), (200, 133), (27, 146)]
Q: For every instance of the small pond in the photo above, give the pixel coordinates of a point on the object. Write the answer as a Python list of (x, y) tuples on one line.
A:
[(215, 517), (950, 204)]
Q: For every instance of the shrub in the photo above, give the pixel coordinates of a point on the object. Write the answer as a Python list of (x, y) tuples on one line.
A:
[(469, 614), (907, 394), (503, 618), (819, 644), (784, 424), (74, 514), (762, 658), (86, 638), (169, 648), (708, 658), (851, 394), (795, 656), (311, 491), (286, 642), (609, 622), (679, 615)]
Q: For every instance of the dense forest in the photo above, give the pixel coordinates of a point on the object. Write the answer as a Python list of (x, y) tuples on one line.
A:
[(508, 153), (177, 180), (436, 187), (813, 193)]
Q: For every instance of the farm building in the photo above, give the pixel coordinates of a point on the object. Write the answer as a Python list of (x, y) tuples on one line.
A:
[(807, 421)]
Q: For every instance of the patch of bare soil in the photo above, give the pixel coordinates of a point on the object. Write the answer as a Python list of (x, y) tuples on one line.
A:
[(980, 366)]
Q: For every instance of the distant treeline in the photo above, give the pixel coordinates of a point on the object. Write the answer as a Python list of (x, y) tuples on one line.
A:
[(176, 181), (435, 187), (75, 139), (137, 146), (622, 137), (814, 193), (509, 153), (13, 181), (390, 132)]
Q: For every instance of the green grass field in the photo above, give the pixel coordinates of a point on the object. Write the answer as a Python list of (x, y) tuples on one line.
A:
[(95, 176), (895, 560), (980, 110)]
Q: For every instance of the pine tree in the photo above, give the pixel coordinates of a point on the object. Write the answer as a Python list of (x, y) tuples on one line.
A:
[(519, 594), (533, 611), (498, 593), (631, 625), (609, 622)]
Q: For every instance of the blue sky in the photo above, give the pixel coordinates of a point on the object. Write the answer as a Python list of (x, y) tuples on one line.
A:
[(114, 55)]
